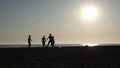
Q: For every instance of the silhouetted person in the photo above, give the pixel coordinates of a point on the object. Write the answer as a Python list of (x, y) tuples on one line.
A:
[(29, 41), (52, 41), (43, 40)]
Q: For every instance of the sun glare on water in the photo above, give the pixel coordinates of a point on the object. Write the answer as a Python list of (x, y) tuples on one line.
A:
[(89, 13), (90, 45)]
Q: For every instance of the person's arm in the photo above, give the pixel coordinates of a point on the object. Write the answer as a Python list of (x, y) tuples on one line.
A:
[(47, 37), (45, 40), (41, 40)]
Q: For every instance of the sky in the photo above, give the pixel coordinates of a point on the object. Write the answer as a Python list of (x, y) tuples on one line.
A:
[(61, 18)]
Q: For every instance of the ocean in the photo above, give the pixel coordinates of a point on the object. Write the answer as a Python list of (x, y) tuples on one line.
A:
[(56, 45), (35, 45)]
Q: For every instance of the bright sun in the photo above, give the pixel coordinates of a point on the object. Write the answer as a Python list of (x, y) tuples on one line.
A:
[(89, 13)]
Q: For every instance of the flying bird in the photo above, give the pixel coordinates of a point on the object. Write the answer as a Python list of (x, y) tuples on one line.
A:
[(39, 19)]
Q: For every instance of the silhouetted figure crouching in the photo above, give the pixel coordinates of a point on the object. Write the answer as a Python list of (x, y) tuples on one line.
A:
[(43, 40), (29, 41)]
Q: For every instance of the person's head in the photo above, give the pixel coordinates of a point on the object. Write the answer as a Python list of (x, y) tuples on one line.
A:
[(29, 35), (50, 34), (44, 36)]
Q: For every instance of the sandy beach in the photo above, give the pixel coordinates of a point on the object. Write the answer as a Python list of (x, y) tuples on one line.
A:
[(65, 57)]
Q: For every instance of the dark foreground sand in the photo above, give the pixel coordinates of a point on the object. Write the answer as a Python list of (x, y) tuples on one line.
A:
[(66, 57)]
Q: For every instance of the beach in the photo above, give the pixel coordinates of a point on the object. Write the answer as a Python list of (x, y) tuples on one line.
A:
[(61, 57)]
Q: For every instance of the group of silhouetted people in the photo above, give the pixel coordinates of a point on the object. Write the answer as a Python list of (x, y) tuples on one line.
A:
[(43, 40)]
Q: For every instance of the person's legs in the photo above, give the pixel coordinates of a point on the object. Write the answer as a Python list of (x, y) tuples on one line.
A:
[(51, 43), (29, 44), (43, 44), (48, 43)]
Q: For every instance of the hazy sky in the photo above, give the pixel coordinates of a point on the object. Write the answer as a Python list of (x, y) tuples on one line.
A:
[(20, 18)]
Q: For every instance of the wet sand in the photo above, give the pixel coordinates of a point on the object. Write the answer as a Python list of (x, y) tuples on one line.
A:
[(65, 57)]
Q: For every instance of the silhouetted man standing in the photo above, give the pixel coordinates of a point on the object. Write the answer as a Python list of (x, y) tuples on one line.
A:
[(43, 40), (29, 41)]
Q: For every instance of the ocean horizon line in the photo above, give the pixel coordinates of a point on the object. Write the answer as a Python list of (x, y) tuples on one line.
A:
[(56, 45), (62, 44)]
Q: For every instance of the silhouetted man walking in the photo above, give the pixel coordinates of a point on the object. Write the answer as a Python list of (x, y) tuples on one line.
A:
[(29, 41), (50, 39)]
